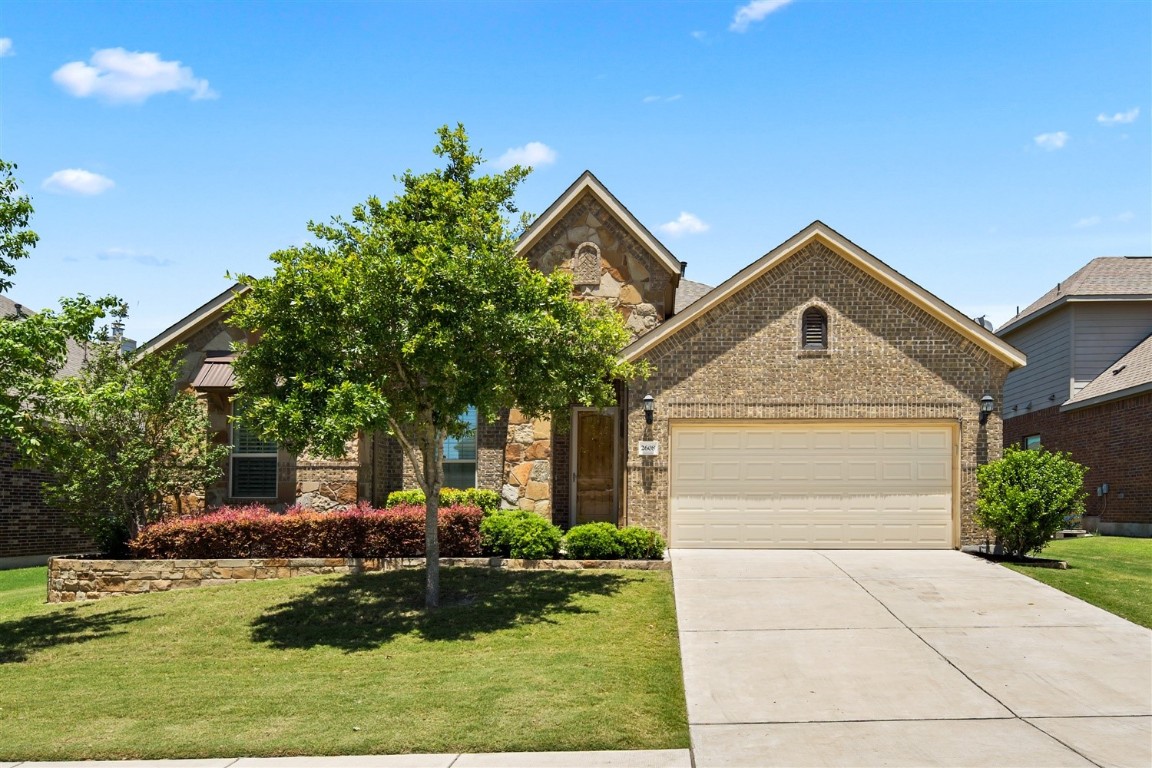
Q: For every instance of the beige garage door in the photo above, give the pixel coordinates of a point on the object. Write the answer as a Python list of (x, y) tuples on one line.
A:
[(867, 485)]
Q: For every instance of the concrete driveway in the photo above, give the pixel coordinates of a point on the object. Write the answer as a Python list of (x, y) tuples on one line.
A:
[(887, 658)]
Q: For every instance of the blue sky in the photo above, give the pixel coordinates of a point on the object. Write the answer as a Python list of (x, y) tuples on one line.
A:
[(985, 149)]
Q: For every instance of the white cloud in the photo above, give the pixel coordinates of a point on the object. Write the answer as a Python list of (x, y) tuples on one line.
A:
[(534, 153), (753, 12), (685, 224), (1051, 141), (699, 34), (654, 99), (119, 76), (1088, 221), (127, 254), (1126, 216), (6, 47), (77, 181), (1120, 118)]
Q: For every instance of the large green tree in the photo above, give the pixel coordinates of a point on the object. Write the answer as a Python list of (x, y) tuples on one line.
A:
[(16, 239), (414, 310), (123, 445), (33, 346)]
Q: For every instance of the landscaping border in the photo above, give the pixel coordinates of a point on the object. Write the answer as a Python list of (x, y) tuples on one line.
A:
[(77, 579)]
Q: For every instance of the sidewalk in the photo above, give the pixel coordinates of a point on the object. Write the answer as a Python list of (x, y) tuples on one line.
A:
[(665, 758)]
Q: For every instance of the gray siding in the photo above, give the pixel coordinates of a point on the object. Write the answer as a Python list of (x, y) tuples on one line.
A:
[(1103, 333), (1043, 382)]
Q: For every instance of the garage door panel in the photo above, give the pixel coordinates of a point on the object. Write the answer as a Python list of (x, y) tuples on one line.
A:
[(849, 486)]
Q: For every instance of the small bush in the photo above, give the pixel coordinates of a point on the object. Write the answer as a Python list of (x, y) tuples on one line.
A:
[(255, 531), (449, 497), (519, 534), (593, 541), (640, 543), (1029, 495)]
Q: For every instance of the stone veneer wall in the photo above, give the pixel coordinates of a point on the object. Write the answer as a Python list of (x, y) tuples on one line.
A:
[(1111, 439), (744, 360), (630, 279), (71, 580), (28, 526), (528, 465)]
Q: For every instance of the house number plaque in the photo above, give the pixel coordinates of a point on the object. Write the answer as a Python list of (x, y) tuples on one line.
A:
[(648, 448)]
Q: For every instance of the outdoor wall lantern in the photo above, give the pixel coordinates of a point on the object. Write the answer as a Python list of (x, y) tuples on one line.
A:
[(649, 408), (987, 405)]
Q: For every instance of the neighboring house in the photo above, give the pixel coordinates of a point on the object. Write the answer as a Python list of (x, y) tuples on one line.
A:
[(1087, 388), (30, 530), (818, 398)]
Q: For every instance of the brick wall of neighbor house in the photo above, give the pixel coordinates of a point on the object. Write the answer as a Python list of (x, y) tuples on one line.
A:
[(28, 526), (1111, 439), (887, 359)]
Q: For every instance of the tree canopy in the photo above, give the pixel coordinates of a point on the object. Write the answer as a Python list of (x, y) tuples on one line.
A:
[(411, 312), (122, 445), (34, 346), (16, 240)]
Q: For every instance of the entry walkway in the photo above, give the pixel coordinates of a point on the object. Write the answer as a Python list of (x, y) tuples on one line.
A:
[(918, 658)]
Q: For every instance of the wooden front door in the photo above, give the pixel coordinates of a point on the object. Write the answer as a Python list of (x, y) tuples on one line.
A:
[(593, 466)]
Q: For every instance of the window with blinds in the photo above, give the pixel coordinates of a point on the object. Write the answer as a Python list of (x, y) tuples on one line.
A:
[(253, 462), (814, 330), (460, 455)]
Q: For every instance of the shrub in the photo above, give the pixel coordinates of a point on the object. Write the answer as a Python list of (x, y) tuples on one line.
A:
[(593, 541), (255, 531), (449, 497), (1028, 495), (640, 543), (519, 534)]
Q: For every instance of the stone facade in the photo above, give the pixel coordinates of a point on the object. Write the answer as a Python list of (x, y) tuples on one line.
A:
[(528, 465), (628, 278), (310, 481), (1111, 439), (887, 359), (75, 580), (29, 527)]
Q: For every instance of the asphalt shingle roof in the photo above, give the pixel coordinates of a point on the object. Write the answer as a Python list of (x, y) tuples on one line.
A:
[(688, 291), (1131, 371), (1104, 276)]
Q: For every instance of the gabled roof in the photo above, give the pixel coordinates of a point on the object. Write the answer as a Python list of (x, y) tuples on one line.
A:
[(819, 232), (1108, 278), (1128, 376), (590, 184), (194, 320)]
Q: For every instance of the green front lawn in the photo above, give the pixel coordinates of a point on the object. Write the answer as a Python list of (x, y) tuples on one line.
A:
[(519, 661), (1112, 572)]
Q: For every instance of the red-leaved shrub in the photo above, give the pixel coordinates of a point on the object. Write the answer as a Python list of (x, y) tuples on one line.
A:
[(256, 531)]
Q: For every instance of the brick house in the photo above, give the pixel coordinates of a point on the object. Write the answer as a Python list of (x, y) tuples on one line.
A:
[(1087, 388), (30, 529), (817, 398)]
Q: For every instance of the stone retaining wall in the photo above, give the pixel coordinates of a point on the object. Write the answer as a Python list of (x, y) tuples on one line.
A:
[(72, 579)]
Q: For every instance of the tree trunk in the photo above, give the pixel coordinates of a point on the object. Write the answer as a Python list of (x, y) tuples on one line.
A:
[(434, 478)]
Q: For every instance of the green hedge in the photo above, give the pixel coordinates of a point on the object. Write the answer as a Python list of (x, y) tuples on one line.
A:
[(604, 541), (449, 497), (519, 533)]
